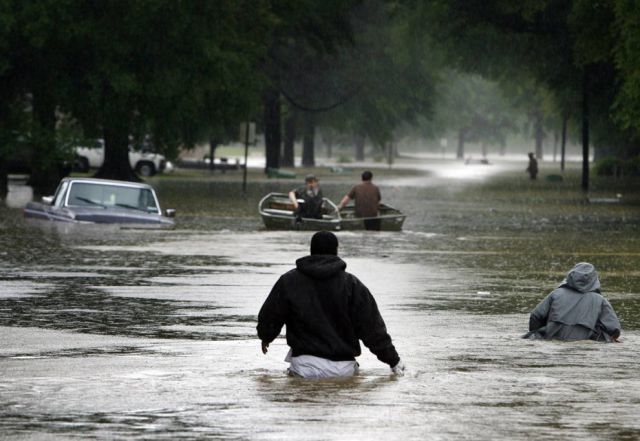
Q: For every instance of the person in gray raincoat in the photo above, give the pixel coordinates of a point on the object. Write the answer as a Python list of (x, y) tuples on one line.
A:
[(575, 310)]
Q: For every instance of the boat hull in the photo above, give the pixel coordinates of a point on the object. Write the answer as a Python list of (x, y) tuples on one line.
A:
[(276, 215)]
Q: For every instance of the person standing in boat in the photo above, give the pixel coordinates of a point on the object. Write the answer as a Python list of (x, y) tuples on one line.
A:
[(327, 312), (367, 197), (312, 198)]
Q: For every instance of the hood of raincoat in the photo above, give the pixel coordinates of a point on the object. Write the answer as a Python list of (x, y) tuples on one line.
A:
[(583, 277), (320, 266)]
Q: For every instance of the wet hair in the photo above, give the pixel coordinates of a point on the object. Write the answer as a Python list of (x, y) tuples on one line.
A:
[(324, 242), (367, 176), (310, 178)]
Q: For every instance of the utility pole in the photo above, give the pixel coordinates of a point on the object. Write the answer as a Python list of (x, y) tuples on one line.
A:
[(247, 134)]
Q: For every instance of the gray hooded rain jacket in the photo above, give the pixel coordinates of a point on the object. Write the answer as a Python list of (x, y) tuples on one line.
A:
[(575, 310)]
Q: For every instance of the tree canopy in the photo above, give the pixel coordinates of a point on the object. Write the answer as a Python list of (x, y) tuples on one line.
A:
[(184, 72)]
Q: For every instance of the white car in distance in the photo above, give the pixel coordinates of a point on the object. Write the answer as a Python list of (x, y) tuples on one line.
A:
[(144, 163)]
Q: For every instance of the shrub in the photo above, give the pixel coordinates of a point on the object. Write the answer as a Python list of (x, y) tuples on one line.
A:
[(609, 166), (632, 167)]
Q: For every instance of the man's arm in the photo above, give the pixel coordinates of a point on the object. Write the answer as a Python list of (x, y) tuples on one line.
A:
[(347, 197), (609, 320), (370, 327), (293, 198), (345, 200), (540, 313), (272, 315)]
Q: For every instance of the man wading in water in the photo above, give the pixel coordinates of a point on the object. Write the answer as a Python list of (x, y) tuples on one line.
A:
[(327, 311), (532, 169), (575, 310)]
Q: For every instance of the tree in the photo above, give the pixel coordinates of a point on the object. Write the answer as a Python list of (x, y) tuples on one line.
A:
[(567, 46), (36, 82), (305, 36), (473, 108), (389, 76), (182, 83), (627, 61)]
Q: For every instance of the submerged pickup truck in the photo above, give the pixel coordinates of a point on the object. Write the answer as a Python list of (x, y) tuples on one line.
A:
[(144, 163)]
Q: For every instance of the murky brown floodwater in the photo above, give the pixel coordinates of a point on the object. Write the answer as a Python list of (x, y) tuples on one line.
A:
[(138, 334)]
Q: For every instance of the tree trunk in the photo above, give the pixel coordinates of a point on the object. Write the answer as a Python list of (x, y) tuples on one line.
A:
[(555, 145), (462, 133), (4, 177), (329, 144), (4, 155), (585, 129), (289, 152), (272, 129), (46, 162), (327, 140), (308, 142), (116, 163), (539, 135), (115, 129), (563, 141), (359, 143), (213, 145)]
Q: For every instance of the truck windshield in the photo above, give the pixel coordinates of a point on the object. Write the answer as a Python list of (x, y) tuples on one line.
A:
[(109, 196)]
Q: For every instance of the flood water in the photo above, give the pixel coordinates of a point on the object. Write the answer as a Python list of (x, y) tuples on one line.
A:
[(138, 334)]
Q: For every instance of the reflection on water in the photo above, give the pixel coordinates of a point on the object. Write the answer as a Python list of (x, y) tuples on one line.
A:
[(113, 333)]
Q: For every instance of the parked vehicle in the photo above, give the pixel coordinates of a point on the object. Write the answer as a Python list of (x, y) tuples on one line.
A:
[(20, 161), (222, 163), (101, 201), (277, 212), (143, 162)]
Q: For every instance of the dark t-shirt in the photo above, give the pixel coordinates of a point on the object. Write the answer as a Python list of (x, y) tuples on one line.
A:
[(367, 197), (312, 207)]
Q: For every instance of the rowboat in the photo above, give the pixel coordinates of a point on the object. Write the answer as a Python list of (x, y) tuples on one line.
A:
[(278, 213)]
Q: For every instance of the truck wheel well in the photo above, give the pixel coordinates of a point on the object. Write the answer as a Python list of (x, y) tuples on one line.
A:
[(140, 167)]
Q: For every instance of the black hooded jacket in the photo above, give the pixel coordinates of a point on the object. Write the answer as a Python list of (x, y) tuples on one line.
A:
[(327, 311)]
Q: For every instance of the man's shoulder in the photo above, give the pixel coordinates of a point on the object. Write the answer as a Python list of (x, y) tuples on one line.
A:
[(292, 273), (562, 291), (352, 279)]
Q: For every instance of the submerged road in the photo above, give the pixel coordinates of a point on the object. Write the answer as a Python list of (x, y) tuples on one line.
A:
[(138, 334)]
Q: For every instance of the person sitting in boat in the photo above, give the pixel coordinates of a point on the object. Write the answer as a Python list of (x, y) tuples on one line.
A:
[(311, 197), (367, 197), (575, 310), (327, 311)]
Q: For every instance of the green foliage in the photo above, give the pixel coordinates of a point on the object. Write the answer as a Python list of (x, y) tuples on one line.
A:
[(627, 57), (609, 166), (553, 42), (390, 72), (613, 166)]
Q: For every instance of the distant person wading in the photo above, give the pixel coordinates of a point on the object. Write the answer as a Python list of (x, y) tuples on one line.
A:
[(532, 169), (367, 200), (575, 310), (327, 312)]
